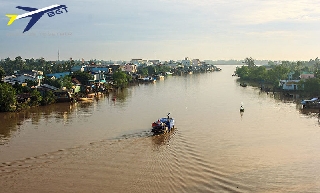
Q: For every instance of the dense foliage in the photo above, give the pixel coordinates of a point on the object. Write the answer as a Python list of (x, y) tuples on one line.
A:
[(153, 70), (35, 98), (311, 86), (274, 72), (2, 73), (9, 65), (48, 98), (7, 97), (121, 79), (83, 77)]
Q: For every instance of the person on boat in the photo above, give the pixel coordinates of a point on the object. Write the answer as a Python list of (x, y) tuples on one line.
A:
[(159, 122)]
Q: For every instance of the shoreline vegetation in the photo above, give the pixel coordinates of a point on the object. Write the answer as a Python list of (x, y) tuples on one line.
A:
[(301, 77), (26, 83)]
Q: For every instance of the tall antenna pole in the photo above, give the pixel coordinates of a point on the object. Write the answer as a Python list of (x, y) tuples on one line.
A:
[(58, 55)]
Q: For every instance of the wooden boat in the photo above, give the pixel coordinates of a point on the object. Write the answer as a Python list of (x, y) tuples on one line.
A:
[(163, 125), (243, 84), (313, 103), (63, 96), (84, 99)]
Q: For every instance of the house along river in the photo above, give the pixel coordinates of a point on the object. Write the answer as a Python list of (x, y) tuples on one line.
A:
[(107, 146)]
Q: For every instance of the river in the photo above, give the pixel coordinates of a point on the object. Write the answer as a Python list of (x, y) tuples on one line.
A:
[(107, 146)]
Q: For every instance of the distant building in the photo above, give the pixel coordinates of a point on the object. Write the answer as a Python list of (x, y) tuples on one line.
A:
[(131, 68), (172, 63), (78, 68), (36, 76), (155, 62), (186, 62), (196, 62), (306, 75), (289, 84), (58, 75), (138, 61)]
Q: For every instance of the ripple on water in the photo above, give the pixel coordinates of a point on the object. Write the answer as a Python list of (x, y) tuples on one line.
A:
[(171, 164)]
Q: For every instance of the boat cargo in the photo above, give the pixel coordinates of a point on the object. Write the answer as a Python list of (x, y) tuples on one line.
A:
[(163, 125)]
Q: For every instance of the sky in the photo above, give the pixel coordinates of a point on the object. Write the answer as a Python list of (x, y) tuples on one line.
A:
[(165, 30)]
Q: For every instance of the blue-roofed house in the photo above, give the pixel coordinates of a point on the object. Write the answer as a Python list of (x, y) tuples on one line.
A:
[(78, 68), (58, 75)]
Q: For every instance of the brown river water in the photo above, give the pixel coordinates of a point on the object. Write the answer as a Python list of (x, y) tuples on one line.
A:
[(107, 146)]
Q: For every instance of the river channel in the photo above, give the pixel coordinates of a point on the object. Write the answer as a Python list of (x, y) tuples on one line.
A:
[(107, 146)]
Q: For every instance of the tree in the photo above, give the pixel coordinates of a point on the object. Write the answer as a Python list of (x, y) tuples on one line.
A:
[(311, 85), (143, 71), (48, 98), (249, 62), (36, 98), (120, 78), (83, 77), (66, 82), (317, 68), (19, 63), (7, 97), (52, 82), (2, 73)]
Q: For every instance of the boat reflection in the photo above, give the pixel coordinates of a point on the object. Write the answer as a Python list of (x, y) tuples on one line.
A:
[(119, 96), (307, 111)]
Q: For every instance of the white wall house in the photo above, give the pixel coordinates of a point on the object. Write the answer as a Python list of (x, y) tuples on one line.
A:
[(289, 84), (129, 68), (21, 78)]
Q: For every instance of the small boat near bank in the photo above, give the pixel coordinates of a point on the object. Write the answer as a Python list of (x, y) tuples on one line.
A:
[(243, 84), (147, 79), (85, 99), (313, 103), (162, 125)]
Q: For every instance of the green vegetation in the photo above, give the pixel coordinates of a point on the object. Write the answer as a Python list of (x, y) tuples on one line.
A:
[(153, 70), (7, 97), (272, 73), (83, 77), (311, 86), (2, 73), (35, 99), (121, 79), (24, 96), (48, 67), (48, 98)]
